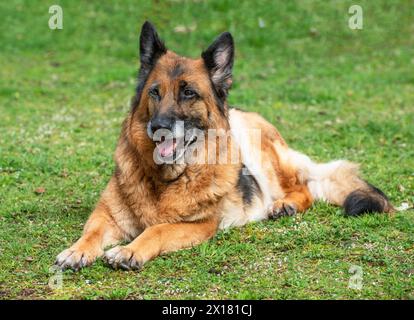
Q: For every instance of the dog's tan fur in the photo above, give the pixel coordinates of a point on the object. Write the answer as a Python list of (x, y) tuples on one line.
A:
[(165, 208)]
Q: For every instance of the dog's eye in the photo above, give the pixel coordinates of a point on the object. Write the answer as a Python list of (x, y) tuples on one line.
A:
[(154, 93), (188, 93)]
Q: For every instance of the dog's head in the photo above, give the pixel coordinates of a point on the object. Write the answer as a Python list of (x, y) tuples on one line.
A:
[(178, 97)]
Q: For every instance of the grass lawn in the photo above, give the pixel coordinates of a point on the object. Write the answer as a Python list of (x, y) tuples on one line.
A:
[(332, 92)]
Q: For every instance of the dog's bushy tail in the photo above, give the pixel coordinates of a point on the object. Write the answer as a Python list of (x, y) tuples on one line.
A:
[(338, 182)]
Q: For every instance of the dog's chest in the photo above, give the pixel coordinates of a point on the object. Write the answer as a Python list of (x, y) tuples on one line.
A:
[(151, 205)]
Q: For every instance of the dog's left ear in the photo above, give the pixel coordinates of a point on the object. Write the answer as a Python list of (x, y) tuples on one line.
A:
[(218, 59), (151, 48)]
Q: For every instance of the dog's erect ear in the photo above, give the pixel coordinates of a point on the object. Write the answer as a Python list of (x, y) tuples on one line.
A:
[(151, 48), (218, 59)]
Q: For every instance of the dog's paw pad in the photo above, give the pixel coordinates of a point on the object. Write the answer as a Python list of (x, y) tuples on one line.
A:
[(282, 209), (74, 259), (123, 258)]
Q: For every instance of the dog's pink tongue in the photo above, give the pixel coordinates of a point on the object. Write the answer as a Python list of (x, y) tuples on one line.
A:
[(167, 147)]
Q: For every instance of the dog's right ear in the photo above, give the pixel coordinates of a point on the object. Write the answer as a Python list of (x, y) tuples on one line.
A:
[(218, 59), (151, 48)]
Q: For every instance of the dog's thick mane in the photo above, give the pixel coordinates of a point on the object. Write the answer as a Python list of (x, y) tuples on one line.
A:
[(200, 186)]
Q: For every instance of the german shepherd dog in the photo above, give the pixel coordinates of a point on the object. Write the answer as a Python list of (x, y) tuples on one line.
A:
[(159, 207)]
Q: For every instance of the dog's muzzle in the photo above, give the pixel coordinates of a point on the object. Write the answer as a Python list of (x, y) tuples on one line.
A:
[(171, 139)]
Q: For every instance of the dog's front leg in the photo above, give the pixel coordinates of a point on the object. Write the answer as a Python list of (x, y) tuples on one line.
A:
[(158, 239), (99, 232)]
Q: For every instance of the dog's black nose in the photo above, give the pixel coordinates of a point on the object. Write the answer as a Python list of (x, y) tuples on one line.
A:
[(162, 122)]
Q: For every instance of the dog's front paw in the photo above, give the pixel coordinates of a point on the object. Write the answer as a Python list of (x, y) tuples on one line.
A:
[(121, 257), (75, 259), (282, 209)]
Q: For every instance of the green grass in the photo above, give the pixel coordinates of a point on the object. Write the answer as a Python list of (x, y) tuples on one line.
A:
[(331, 91)]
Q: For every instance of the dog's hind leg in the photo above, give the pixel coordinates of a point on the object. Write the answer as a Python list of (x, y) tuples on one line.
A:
[(339, 183), (158, 239), (298, 199), (99, 232), (295, 196)]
